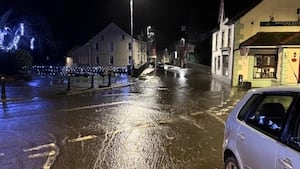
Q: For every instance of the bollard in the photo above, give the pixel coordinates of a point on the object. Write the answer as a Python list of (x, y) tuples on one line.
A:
[(109, 78), (92, 82), (69, 83), (3, 93)]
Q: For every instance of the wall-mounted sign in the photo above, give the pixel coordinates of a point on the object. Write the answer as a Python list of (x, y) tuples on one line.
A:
[(280, 23)]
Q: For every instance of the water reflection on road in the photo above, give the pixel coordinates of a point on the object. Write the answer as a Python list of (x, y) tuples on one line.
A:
[(160, 122)]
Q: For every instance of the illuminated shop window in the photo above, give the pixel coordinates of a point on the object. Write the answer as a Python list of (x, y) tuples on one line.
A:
[(264, 66)]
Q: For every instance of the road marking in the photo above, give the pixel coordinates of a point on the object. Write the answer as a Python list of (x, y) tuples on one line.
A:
[(196, 113), (51, 145), (52, 154), (2, 154), (82, 138), (95, 106), (192, 121), (169, 137), (44, 154)]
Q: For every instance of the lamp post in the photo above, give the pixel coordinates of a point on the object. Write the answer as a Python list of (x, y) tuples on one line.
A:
[(3, 92), (131, 33)]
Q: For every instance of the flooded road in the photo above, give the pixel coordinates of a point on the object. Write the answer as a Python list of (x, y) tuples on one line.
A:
[(168, 119)]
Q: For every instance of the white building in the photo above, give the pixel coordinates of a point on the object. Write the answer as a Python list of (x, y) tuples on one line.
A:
[(222, 48), (111, 47), (260, 47)]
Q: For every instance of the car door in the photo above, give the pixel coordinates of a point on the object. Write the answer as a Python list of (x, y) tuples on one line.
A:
[(256, 150), (288, 156), (257, 141)]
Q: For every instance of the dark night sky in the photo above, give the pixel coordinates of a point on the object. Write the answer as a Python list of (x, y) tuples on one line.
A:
[(63, 24)]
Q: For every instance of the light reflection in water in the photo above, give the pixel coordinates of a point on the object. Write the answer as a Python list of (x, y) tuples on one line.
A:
[(136, 145), (182, 85), (182, 79), (215, 86), (34, 83)]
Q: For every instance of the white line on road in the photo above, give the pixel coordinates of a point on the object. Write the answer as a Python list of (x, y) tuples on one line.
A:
[(95, 106), (196, 113), (51, 145), (52, 154), (44, 154), (82, 138), (2, 154), (192, 121)]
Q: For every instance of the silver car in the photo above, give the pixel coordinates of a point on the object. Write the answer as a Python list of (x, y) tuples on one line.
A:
[(263, 130)]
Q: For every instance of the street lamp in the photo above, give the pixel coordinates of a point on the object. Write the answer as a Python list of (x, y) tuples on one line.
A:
[(131, 32)]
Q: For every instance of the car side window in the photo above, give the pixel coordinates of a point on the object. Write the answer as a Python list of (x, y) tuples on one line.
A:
[(248, 106), (269, 114), (294, 139)]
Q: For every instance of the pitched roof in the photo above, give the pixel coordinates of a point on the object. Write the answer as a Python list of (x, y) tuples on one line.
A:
[(273, 39), (234, 15)]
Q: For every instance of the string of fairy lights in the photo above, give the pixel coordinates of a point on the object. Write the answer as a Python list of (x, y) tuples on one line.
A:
[(10, 38)]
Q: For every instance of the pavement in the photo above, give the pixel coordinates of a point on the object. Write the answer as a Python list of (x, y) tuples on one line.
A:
[(56, 86), (22, 90)]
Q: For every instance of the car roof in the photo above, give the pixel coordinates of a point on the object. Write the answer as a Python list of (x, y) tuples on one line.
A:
[(283, 88)]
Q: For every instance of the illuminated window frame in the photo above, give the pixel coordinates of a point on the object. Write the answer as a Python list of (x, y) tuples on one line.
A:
[(265, 66)]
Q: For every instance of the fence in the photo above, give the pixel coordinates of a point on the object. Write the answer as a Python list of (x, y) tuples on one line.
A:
[(75, 71)]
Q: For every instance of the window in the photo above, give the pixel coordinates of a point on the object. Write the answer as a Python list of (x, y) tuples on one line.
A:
[(294, 140), (294, 135), (111, 60), (223, 38), (264, 66), (97, 60), (247, 107), (216, 45), (111, 46), (123, 37), (269, 114), (97, 46), (129, 46), (219, 62), (229, 38), (129, 60), (225, 65)]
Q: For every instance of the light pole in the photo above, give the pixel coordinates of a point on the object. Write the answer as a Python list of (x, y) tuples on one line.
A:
[(131, 33)]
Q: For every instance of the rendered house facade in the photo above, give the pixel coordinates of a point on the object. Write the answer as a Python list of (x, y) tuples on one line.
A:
[(111, 47), (266, 44), (222, 48)]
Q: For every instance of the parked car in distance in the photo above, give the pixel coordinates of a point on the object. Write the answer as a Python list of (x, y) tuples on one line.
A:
[(263, 130)]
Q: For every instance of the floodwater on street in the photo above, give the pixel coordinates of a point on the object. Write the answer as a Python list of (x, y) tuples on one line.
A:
[(168, 119)]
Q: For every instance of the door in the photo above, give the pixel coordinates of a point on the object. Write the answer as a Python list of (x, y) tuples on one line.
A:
[(257, 139), (287, 158), (289, 153), (257, 151)]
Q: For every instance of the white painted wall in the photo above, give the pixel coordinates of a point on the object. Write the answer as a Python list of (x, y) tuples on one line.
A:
[(111, 41)]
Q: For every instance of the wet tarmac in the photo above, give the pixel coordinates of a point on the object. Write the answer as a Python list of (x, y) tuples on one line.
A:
[(167, 119)]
